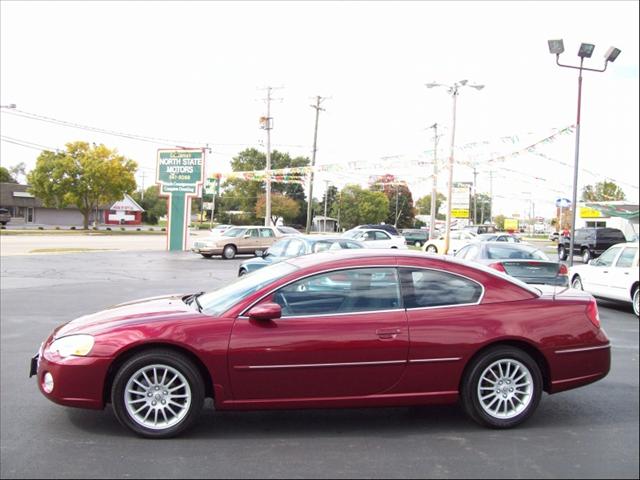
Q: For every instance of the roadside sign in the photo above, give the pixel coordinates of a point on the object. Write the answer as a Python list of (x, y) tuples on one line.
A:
[(563, 202), (180, 174)]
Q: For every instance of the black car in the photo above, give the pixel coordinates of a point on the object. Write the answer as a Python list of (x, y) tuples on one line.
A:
[(590, 242), (381, 226), (415, 236)]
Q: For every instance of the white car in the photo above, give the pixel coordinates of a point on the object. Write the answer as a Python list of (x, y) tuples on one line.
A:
[(613, 275), (457, 240), (372, 238)]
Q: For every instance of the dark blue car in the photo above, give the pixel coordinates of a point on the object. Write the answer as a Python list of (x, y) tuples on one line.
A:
[(295, 246)]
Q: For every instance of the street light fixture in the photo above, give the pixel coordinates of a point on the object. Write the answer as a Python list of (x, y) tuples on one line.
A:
[(453, 90), (11, 105), (556, 47)]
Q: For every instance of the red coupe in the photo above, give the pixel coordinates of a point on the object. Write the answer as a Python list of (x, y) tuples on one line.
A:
[(335, 329)]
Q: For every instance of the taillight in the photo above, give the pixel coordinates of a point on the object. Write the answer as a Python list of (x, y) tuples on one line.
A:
[(498, 266), (592, 313), (563, 270)]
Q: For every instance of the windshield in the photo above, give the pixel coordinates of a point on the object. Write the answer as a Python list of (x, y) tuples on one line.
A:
[(352, 234), (234, 232), (219, 301)]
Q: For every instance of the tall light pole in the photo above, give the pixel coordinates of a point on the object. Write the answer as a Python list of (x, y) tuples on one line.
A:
[(434, 185), (319, 100), (453, 90), (556, 47)]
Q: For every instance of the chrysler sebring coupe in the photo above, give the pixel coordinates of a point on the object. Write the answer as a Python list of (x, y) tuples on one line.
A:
[(334, 329)]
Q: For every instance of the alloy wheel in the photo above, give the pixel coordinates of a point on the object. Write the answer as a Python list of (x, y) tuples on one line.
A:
[(505, 389), (636, 300), (577, 283)]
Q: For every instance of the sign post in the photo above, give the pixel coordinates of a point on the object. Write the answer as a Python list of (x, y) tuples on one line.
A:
[(180, 174)]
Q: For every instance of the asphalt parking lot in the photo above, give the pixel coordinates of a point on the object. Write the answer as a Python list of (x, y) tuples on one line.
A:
[(591, 432)]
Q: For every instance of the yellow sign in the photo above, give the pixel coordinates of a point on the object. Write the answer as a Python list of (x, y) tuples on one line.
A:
[(510, 224), (460, 212), (586, 212)]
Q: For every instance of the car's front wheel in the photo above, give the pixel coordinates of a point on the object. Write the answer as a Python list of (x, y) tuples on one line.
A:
[(577, 283), (229, 252), (242, 272), (586, 255), (157, 393), (562, 253), (502, 388)]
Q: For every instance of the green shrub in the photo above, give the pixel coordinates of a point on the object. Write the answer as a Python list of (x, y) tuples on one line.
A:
[(40, 228), (122, 228), (57, 228), (138, 229), (164, 229)]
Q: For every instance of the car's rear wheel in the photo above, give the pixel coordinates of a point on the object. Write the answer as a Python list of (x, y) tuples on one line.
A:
[(432, 249), (586, 255), (577, 283), (562, 253), (502, 388), (636, 300), (157, 394), (229, 252)]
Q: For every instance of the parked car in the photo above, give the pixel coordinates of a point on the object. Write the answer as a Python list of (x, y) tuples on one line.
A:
[(380, 226), (5, 216), (498, 237), (478, 229), (414, 236), (613, 275), (284, 230), (457, 239), (373, 238), (554, 236), (590, 242), (290, 247), (337, 329), (236, 240), (519, 260)]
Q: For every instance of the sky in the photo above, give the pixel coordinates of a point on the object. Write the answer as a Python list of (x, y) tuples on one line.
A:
[(194, 73)]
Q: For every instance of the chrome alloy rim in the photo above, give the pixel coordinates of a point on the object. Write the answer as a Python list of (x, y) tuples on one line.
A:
[(505, 388), (157, 396), (636, 302)]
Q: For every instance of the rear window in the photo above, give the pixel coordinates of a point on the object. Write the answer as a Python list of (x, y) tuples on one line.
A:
[(504, 252), (611, 235)]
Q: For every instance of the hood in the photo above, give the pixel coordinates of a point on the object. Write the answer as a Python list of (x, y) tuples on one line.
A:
[(140, 311)]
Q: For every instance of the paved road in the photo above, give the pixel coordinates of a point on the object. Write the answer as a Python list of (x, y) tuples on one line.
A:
[(590, 432)]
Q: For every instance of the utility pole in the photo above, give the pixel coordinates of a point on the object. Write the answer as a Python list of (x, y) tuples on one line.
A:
[(434, 187), (395, 224), (475, 197), (142, 193), (319, 100), (268, 125), (491, 197), (326, 196)]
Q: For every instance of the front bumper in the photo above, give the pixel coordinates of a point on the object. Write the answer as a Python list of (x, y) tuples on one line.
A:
[(78, 381), (207, 250)]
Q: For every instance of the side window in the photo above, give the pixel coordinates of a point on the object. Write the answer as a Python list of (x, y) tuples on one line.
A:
[(341, 291), (266, 233), (278, 248), (626, 257), (252, 232), (606, 259), (501, 238), (435, 288), (381, 236), (295, 248), (462, 252), (472, 251)]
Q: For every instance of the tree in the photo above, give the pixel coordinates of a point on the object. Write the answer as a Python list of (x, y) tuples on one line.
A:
[(602, 192), (423, 205), (498, 220), (401, 212), (154, 205), (482, 208), (281, 206), (6, 177), (358, 206), (247, 192), (18, 171), (83, 175)]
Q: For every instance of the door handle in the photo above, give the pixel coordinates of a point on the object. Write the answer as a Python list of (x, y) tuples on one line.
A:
[(388, 333)]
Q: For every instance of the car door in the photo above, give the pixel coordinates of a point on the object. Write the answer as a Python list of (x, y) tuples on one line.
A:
[(342, 333), (598, 281), (623, 272), (266, 238), (383, 240)]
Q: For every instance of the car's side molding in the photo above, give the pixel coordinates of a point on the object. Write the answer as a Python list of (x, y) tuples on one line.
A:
[(319, 365), (585, 349)]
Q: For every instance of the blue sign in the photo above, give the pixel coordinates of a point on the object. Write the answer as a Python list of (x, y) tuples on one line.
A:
[(563, 202)]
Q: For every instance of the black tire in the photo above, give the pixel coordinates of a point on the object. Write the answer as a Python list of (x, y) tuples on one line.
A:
[(207, 255), (167, 358), (562, 253), (242, 272), (635, 299), (470, 395), (431, 249), (229, 252), (586, 255), (576, 283)]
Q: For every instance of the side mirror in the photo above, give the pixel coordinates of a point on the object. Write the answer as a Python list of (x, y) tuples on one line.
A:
[(248, 235), (266, 311)]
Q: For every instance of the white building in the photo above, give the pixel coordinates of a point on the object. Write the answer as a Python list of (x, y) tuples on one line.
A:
[(619, 214)]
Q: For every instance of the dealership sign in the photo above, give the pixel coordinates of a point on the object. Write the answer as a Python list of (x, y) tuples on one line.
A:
[(180, 174), (460, 201)]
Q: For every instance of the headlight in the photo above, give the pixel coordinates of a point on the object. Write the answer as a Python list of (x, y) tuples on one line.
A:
[(73, 345)]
